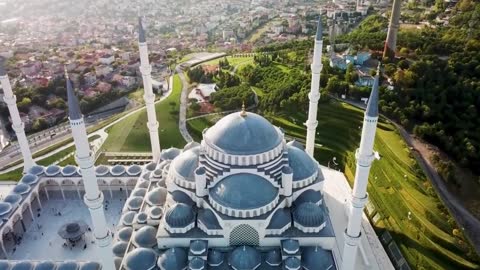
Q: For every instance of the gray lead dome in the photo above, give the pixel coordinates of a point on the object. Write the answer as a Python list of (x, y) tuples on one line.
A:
[(238, 135)]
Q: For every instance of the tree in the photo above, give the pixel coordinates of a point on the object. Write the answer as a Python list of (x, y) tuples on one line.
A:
[(24, 105)]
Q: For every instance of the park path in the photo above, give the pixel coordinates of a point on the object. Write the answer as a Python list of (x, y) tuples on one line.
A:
[(101, 132), (466, 220), (182, 120)]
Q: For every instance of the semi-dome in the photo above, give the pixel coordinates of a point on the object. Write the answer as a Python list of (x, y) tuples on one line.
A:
[(119, 248), (310, 195), (170, 153), (197, 263), (125, 233), (157, 196), (244, 191), (173, 259), (309, 215), (292, 263), (145, 237), (243, 135), (23, 266), (29, 179), (91, 266), (141, 259), (215, 258), (296, 144), (47, 265), (301, 163), (186, 163), (273, 257), (280, 219), (316, 258), (208, 219), (180, 215), (181, 197), (190, 145), (245, 258)]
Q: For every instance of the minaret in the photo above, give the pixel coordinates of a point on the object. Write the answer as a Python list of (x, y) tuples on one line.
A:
[(314, 94), (149, 97), (93, 196), (365, 157), (17, 123), (391, 42)]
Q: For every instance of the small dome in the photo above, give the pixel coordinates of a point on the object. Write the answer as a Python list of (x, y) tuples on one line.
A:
[(161, 183), (127, 218), (301, 163), (313, 196), (290, 246), (21, 189), (146, 176), (13, 199), (4, 265), (215, 258), (198, 247), (157, 196), (67, 266), (157, 173), (316, 258), (244, 191), (44, 266), (91, 266), (142, 183), (173, 259), (36, 170), (101, 170), (134, 203), (280, 219), (186, 163), (52, 170), (5, 208), (180, 215), (69, 170), (155, 212), (117, 170), (134, 170), (140, 192), (141, 218), (309, 215), (292, 263), (170, 153), (163, 164), (274, 257), (190, 145), (23, 266), (119, 248), (296, 144), (180, 197), (140, 259), (145, 237), (197, 263), (238, 135), (125, 233), (245, 257), (151, 166), (208, 218)]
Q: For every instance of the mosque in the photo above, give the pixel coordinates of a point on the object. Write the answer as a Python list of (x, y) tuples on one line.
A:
[(243, 198)]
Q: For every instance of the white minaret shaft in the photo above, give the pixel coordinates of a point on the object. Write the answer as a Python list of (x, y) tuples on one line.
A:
[(17, 123), (314, 94), (365, 157), (93, 196), (149, 97)]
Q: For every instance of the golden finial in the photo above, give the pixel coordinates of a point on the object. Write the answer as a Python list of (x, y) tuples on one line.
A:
[(243, 113)]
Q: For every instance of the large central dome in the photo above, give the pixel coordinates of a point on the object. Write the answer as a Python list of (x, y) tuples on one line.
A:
[(243, 135)]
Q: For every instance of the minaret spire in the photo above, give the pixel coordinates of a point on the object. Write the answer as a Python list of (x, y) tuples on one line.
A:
[(314, 94), (17, 124), (365, 156), (149, 97), (391, 42), (93, 196)]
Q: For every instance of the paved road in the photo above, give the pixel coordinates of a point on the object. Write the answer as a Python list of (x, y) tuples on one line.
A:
[(182, 120), (464, 218)]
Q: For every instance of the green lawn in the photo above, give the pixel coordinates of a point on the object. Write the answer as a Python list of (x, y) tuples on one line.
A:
[(233, 61), (426, 239), (131, 134)]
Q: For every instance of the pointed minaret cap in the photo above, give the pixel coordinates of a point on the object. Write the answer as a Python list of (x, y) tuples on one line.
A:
[(319, 29), (372, 106), (3, 72), (74, 112), (141, 31)]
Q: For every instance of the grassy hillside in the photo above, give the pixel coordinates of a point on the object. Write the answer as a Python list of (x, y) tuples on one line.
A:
[(397, 186)]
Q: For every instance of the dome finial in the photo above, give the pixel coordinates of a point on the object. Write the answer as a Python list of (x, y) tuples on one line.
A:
[(243, 113)]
